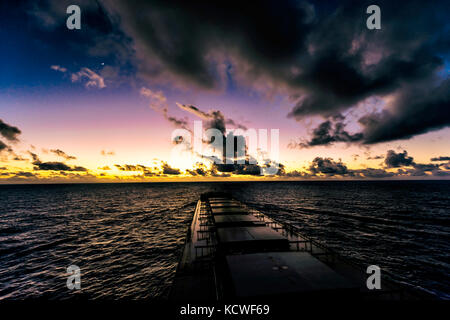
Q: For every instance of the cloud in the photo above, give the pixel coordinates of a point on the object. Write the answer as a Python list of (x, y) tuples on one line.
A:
[(333, 64), (396, 160), (53, 165), (318, 53), (58, 68), (374, 173), (107, 153), (4, 147), (24, 174), (421, 169), (239, 169), (190, 43), (328, 167), (441, 173), (158, 102), (441, 158), (105, 168), (195, 111), (9, 132), (145, 171), (214, 118), (93, 79), (18, 157), (233, 123), (163, 169), (34, 156), (326, 133), (130, 167), (200, 169), (297, 174), (56, 166), (375, 157), (415, 110), (169, 170), (62, 154)]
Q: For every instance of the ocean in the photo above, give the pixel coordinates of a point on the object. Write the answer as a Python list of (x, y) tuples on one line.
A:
[(126, 238)]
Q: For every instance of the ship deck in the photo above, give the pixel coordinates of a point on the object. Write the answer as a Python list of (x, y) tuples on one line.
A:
[(235, 252)]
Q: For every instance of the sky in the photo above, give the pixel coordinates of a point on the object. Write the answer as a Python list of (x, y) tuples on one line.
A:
[(118, 99)]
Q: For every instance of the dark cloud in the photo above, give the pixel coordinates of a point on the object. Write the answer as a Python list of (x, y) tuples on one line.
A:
[(327, 133), (297, 174), (422, 170), (18, 158), (328, 167), (53, 165), (169, 170), (396, 160), (101, 36), (23, 174), (4, 147), (233, 123), (374, 173), (375, 157), (188, 41), (416, 110), (197, 172), (34, 156), (130, 167), (401, 159), (214, 118), (319, 53), (145, 171), (441, 173), (149, 171), (215, 173), (78, 168), (441, 158), (9, 132), (425, 167), (334, 62), (181, 123), (62, 154), (239, 169), (199, 169), (56, 166)]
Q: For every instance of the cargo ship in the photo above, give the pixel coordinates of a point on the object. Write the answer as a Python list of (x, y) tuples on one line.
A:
[(233, 252)]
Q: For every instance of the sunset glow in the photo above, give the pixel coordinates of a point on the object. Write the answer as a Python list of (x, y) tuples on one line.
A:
[(100, 104)]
